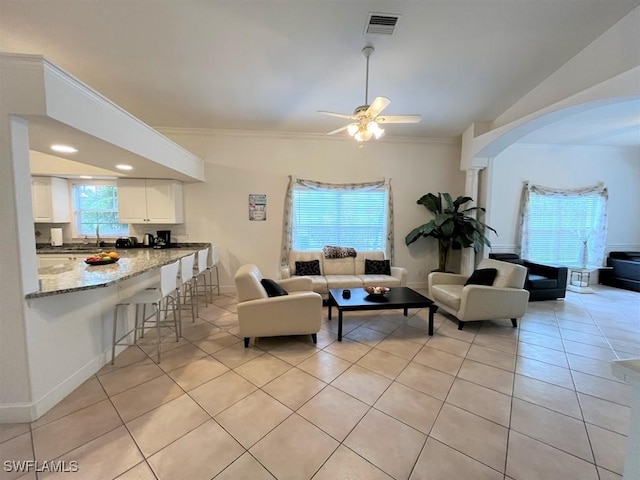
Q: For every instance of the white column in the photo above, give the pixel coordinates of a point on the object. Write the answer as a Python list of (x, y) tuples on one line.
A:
[(468, 255), (19, 270)]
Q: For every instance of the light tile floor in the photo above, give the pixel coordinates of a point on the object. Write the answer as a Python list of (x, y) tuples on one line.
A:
[(488, 402)]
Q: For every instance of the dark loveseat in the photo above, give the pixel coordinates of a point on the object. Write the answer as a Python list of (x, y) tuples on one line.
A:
[(544, 282), (625, 271)]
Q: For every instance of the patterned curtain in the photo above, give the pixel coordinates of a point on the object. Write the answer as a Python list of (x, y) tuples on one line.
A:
[(390, 253), (594, 238), (287, 230), (525, 213)]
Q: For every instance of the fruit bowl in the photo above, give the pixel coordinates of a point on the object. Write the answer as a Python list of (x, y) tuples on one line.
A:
[(101, 262), (376, 291)]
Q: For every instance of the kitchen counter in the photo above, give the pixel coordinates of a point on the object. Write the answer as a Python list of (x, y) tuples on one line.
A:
[(89, 248), (69, 320), (76, 275)]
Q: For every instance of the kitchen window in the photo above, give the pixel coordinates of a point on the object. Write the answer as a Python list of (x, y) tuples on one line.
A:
[(95, 208)]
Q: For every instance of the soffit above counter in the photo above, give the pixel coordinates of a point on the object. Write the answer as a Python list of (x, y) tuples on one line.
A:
[(62, 109)]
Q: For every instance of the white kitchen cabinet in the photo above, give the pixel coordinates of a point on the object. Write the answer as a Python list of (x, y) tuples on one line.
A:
[(50, 198), (150, 201)]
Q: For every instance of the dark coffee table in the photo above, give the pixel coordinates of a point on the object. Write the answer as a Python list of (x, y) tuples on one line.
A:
[(397, 297)]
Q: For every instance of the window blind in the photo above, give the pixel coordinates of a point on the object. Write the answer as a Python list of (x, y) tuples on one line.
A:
[(558, 226), (347, 218)]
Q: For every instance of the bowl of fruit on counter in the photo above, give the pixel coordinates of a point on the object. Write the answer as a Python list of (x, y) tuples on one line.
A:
[(103, 258)]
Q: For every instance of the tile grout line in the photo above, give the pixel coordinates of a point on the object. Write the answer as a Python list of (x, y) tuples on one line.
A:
[(175, 440), (392, 380), (144, 459)]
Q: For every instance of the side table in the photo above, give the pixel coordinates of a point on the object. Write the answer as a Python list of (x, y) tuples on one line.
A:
[(579, 278)]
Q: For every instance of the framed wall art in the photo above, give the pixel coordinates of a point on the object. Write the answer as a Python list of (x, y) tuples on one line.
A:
[(257, 206)]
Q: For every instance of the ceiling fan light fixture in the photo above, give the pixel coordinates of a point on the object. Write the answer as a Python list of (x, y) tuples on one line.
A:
[(363, 135), (374, 128), (363, 132), (365, 118)]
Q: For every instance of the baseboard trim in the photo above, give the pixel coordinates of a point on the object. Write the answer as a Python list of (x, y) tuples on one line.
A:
[(31, 411), (421, 285), (16, 413)]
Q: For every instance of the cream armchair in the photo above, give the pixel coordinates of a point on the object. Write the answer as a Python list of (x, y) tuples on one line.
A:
[(506, 298), (298, 313)]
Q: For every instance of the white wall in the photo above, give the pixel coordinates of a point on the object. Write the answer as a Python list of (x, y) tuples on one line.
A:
[(565, 167), (238, 164)]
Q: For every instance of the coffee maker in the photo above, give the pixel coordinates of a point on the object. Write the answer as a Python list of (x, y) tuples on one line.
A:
[(163, 239)]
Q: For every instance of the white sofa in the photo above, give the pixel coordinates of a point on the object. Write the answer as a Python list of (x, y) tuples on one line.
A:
[(506, 298), (297, 313), (344, 272)]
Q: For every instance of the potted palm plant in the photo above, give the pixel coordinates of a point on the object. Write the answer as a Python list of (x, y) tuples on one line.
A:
[(451, 227)]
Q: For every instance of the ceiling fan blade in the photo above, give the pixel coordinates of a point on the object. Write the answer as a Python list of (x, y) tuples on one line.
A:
[(378, 105), (338, 130), (399, 119), (334, 114)]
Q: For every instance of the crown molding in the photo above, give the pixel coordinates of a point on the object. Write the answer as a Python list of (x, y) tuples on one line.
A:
[(230, 133), (570, 146)]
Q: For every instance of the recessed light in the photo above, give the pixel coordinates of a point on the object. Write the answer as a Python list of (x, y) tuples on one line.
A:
[(63, 148), (86, 177), (122, 166)]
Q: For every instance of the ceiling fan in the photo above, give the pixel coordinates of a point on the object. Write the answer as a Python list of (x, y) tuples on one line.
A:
[(366, 118)]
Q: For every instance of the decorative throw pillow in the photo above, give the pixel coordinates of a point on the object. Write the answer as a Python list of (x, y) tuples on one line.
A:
[(338, 252), (273, 288), (482, 276), (311, 267), (377, 267)]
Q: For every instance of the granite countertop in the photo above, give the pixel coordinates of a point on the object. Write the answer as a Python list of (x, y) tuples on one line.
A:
[(76, 275), (89, 248)]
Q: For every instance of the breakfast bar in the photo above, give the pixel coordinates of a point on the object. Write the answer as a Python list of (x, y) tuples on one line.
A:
[(76, 275), (69, 318)]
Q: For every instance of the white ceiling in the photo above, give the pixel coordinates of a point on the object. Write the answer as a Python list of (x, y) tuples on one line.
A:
[(616, 125), (94, 157), (270, 65)]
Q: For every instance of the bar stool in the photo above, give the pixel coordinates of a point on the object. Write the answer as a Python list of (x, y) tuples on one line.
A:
[(215, 260), (200, 271), (185, 285), (159, 299)]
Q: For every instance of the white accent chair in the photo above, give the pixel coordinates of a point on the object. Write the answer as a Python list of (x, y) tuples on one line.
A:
[(506, 298), (298, 313)]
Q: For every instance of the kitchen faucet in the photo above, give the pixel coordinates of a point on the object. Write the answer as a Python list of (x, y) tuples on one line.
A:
[(98, 235)]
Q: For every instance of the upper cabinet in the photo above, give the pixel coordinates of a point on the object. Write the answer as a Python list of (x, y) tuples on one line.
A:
[(50, 198), (150, 201)]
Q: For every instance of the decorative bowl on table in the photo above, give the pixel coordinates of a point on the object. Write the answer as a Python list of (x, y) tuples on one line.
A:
[(376, 291)]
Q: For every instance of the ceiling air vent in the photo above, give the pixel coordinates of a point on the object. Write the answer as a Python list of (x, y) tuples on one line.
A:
[(381, 23)]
